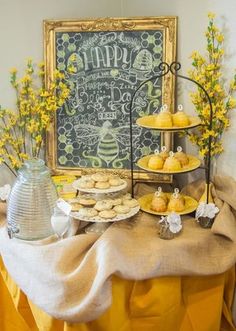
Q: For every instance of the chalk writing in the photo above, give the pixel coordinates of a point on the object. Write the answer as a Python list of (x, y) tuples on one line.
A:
[(104, 69)]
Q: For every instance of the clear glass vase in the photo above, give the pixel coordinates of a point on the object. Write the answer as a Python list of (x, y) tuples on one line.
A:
[(206, 222), (165, 233), (31, 202)]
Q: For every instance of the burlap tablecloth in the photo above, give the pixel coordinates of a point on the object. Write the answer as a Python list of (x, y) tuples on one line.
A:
[(71, 279)]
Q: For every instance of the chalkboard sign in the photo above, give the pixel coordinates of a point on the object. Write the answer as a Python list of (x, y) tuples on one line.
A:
[(105, 61)]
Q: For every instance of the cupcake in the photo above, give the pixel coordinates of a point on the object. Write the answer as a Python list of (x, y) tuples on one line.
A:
[(156, 161), (180, 119), (171, 163), (164, 154), (181, 156), (161, 194), (164, 118), (159, 201), (176, 203)]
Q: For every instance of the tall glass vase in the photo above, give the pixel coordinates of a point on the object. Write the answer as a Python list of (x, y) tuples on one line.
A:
[(209, 174), (206, 222), (213, 167), (31, 202)]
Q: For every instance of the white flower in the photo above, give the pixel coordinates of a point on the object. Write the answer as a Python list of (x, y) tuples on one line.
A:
[(206, 210), (175, 228), (4, 192), (174, 221), (211, 210), (200, 210), (163, 220)]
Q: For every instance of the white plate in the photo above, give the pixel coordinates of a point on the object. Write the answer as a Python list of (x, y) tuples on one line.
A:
[(119, 217), (111, 189)]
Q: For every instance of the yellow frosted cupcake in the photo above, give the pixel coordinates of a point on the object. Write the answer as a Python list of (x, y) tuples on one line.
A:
[(181, 156), (180, 119), (161, 194), (164, 154), (164, 118), (171, 163), (159, 201), (158, 204), (156, 161), (176, 202)]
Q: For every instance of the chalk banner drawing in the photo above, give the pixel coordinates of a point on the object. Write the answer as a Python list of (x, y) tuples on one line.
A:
[(104, 66)]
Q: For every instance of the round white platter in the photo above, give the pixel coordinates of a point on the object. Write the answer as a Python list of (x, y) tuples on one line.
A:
[(119, 217)]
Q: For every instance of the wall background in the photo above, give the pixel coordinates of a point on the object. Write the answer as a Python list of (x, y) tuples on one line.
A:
[(21, 36)]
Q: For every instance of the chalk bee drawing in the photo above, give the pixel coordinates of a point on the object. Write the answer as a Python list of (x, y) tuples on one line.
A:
[(111, 142)]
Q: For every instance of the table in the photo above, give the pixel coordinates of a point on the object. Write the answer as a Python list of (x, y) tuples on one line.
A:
[(158, 304), (72, 279)]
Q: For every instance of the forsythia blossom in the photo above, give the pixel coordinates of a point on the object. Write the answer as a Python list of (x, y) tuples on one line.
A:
[(22, 131), (208, 72)]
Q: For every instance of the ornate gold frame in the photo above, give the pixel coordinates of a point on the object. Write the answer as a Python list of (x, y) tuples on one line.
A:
[(169, 27)]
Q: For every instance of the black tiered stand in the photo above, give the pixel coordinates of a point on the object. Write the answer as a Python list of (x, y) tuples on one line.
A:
[(172, 68)]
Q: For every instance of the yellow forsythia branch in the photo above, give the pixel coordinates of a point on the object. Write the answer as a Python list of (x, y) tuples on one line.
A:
[(22, 131), (207, 70)]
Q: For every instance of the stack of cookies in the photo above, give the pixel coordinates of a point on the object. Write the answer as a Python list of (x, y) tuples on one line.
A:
[(106, 200), (99, 181), (104, 209)]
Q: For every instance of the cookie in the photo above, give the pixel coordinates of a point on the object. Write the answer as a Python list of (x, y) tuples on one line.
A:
[(107, 214), (103, 205), (102, 185), (86, 183), (99, 177), (127, 196), (117, 201), (131, 203), (87, 202), (72, 200), (121, 209), (75, 206), (108, 200), (115, 181), (88, 212)]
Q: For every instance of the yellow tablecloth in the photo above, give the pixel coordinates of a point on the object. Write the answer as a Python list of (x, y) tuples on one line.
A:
[(160, 304)]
